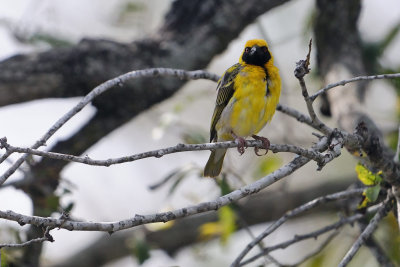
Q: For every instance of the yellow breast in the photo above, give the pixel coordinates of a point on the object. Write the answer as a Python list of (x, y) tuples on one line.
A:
[(251, 106)]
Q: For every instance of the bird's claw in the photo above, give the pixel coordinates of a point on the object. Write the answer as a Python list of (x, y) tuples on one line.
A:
[(266, 143), (241, 142)]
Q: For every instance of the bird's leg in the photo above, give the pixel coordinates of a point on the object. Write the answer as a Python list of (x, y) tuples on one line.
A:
[(240, 141), (266, 143)]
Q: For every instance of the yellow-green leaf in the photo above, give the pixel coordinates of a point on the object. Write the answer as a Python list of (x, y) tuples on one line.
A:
[(268, 165), (209, 230), (228, 221), (372, 193), (366, 176), (223, 228)]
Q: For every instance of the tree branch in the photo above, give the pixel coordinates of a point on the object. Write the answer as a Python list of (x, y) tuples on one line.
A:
[(301, 209), (320, 158), (365, 235), (302, 69), (316, 251), (166, 216), (184, 232), (46, 237), (119, 80), (355, 79), (314, 234)]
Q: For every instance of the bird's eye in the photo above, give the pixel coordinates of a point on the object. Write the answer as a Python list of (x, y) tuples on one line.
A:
[(265, 49), (247, 50)]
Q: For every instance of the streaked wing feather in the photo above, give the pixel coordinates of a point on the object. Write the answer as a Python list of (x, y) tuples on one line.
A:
[(225, 89)]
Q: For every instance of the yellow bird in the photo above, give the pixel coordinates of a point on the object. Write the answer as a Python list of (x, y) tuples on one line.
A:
[(248, 94)]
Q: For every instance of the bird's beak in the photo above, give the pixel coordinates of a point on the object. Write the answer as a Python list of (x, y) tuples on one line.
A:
[(253, 50)]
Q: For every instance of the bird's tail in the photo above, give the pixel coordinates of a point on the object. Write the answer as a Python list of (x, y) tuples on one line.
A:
[(214, 163)]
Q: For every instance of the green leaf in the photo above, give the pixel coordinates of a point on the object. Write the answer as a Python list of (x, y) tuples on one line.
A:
[(372, 193), (317, 260), (224, 186), (141, 251), (366, 176), (52, 202), (3, 258), (68, 208)]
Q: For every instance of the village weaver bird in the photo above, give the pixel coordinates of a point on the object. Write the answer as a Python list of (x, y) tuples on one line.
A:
[(248, 93)]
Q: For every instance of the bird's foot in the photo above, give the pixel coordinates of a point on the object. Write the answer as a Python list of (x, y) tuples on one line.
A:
[(266, 143), (241, 142)]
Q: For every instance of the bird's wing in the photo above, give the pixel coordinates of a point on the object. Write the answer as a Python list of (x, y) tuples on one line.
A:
[(225, 89)]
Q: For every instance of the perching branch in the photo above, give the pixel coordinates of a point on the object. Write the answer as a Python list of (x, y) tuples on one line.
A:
[(311, 154)]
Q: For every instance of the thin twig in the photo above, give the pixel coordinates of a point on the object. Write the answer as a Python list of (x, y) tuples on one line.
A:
[(365, 235), (301, 209), (302, 69), (300, 117), (120, 80), (275, 148), (316, 251), (375, 248), (355, 79), (5, 156), (245, 226), (314, 234), (46, 237)]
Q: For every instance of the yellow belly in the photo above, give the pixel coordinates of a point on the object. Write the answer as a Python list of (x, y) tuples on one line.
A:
[(250, 107)]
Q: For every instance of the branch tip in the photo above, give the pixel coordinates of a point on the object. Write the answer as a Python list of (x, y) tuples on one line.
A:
[(302, 66)]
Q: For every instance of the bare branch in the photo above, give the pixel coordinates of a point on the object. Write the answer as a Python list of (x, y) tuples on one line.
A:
[(301, 117), (120, 80), (302, 68), (316, 251), (355, 79), (268, 258), (46, 237), (275, 148), (303, 208), (365, 235), (5, 155), (314, 234), (374, 247)]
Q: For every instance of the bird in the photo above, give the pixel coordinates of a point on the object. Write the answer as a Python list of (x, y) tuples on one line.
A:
[(248, 93)]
